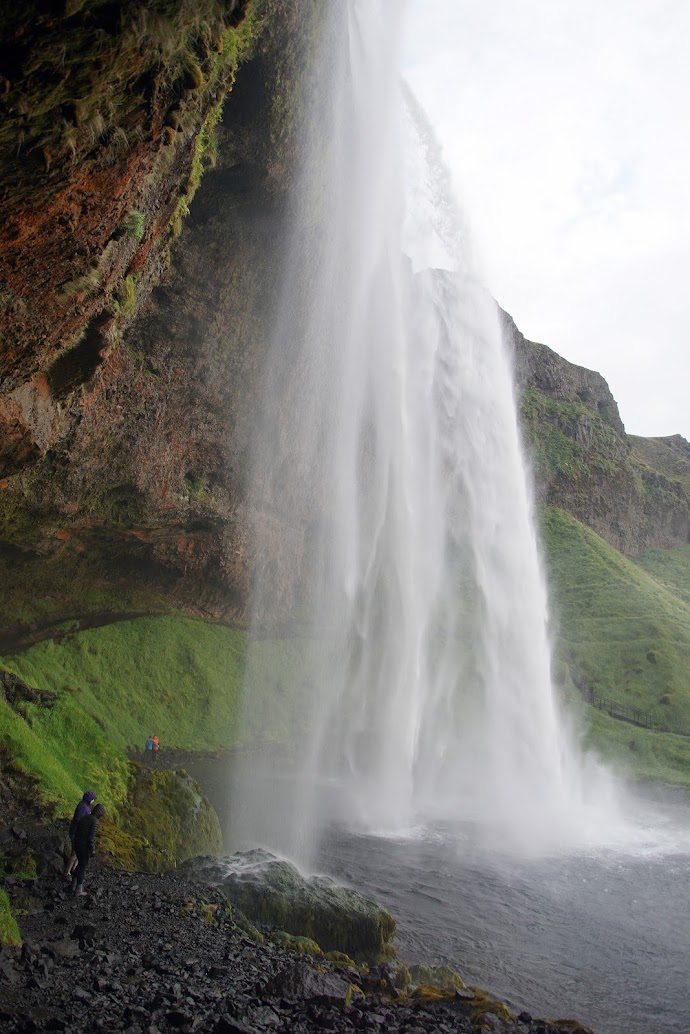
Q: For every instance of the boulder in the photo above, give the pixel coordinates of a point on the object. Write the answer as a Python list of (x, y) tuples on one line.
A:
[(169, 820), (273, 891), (302, 983), (436, 976)]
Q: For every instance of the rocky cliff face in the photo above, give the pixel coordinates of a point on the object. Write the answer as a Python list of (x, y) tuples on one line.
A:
[(634, 492), (132, 330), (107, 112)]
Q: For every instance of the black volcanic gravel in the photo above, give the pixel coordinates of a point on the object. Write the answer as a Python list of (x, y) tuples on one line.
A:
[(142, 954)]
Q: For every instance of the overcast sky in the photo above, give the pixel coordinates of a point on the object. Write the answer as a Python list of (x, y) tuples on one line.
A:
[(566, 126)]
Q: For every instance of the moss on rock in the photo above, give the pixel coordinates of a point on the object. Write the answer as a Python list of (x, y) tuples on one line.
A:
[(442, 977), (301, 945), (122, 850), (338, 918), (166, 820)]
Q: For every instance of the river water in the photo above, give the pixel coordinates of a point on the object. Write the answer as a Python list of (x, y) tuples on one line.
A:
[(601, 935)]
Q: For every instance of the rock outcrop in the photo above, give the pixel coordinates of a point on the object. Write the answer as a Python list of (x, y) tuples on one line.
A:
[(634, 492), (271, 890), (169, 810), (129, 368)]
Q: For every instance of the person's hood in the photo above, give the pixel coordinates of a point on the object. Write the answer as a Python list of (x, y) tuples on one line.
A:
[(89, 796)]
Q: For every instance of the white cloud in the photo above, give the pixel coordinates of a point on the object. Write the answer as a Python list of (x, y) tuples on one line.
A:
[(565, 127)]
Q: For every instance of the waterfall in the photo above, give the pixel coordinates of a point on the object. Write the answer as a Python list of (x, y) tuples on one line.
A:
[(391, 451)]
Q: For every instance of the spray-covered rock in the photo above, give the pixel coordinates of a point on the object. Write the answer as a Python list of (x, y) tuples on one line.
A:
[(272, 890)]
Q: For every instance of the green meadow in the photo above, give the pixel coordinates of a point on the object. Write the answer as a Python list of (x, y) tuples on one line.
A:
[(177, 677)]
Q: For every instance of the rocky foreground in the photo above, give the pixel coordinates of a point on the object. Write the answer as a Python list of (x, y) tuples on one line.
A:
[(150, 953)]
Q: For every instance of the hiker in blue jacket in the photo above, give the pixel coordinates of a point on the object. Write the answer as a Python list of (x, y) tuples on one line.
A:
[(81, 810)]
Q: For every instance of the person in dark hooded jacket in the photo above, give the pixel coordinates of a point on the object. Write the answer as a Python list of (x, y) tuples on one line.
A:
[(82, 809), (85, 845)]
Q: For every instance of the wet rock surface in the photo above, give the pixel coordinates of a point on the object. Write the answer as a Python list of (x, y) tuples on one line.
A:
[(145, 953), (273, 890)]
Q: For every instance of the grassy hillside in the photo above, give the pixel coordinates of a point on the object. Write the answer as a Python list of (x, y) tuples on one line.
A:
[(174, 676), (623, 634), (642, 753), (669, 567)]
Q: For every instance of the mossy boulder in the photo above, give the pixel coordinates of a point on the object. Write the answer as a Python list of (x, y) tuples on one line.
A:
[(301, 945), (442, 977), (166, 820), (273, 891), (120, 850)]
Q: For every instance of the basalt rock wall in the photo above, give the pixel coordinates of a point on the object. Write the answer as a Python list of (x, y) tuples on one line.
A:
[(135, 306)]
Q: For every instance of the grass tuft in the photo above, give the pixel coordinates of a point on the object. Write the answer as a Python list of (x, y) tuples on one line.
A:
[(133, 226), (9, 931), (126, 296)]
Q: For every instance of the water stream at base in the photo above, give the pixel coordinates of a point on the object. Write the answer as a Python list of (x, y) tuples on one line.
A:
[(599, 934)]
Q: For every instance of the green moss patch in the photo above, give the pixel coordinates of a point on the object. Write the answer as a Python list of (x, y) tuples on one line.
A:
[(9, 931), (122, 850), (179, 678), (300, 945), (63, 750), (105, 690), (442, 977), (169, 810)]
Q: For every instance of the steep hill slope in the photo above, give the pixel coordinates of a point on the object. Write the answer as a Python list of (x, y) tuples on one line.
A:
[(671, 568), (103, 691), (622, 643)]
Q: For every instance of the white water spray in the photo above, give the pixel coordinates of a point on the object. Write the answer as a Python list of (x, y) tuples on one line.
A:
[(394, 421)]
